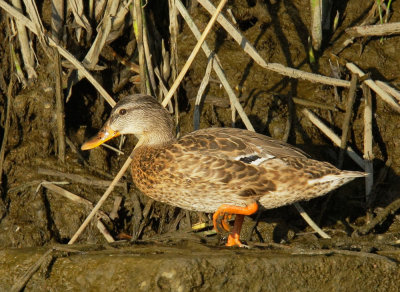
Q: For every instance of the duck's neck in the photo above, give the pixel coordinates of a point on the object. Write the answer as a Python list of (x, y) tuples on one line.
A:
[(157, 137)]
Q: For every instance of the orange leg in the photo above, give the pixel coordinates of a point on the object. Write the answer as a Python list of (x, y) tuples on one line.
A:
[(220, 216), (233, 238)]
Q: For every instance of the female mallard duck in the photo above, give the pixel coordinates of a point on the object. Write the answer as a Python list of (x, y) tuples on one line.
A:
[(222, 170)]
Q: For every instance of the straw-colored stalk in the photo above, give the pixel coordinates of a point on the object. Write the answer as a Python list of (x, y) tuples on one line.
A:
[(26, 50), (371, 83), (334, 138), (249, 49), (316, 23), (368, 154)]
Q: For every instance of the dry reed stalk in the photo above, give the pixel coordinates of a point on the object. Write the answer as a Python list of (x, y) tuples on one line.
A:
[(374, 30), (173, 64), (331, 135), (138, 29), (371, 18), (310, 222), (200, 92), (346, 121), (67, 55), (20, 283), (71, 196), (316, 23), (216, 66), (119, 152), (93, 54), (105, 195), (148, 56), (33, 13), (118, 21), (368, 137), (26, 50), (164, 89), (59, 107), (116, 205), (193, 54), (103, 32), (390, 90), (99, 8), (371, 83), (76, 7), (90, 181), (18, 68), (57, 17), (310, 103), (278, 68), (7, 123), (103, 230), (146, 214), (389, 210)]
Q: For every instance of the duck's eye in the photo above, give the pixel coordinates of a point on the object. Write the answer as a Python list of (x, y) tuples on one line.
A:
[(122, 111)]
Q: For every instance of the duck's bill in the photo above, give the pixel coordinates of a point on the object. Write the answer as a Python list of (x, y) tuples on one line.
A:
[(105, 134)]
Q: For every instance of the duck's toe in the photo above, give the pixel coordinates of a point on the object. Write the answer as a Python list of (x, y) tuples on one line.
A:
[(220, 220)]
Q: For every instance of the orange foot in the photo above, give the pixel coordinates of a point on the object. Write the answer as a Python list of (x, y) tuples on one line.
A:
[(224, 212)]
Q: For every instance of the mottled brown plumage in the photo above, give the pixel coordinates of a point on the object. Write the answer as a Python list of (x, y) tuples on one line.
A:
[(210, 168)]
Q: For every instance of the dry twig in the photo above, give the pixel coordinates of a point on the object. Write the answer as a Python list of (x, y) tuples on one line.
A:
[(105, 195), (7, 123), (368, 154), (67, 194), (371, 83), (386, 87), (149, 63), (19, 285), (392, 208), (80, 179), (310, 103), (21, 282), (26, 51), (71, 196), (194, 52), (374, 30), (310, 222), (200, 92), (216, 66), (146, 213), (137, 15), (251, 51), (67, 55), (331, 135), (346, 121)]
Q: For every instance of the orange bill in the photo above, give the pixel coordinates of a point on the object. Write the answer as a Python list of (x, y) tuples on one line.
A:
[(105, 134)]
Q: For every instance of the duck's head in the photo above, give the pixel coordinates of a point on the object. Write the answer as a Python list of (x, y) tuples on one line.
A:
[(141, 115)]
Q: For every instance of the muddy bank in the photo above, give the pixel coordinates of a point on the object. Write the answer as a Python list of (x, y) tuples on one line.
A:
[(193, 266)]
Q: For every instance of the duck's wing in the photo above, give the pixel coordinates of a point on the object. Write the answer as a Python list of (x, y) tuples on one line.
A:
[(238, 144), (231, 160)]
